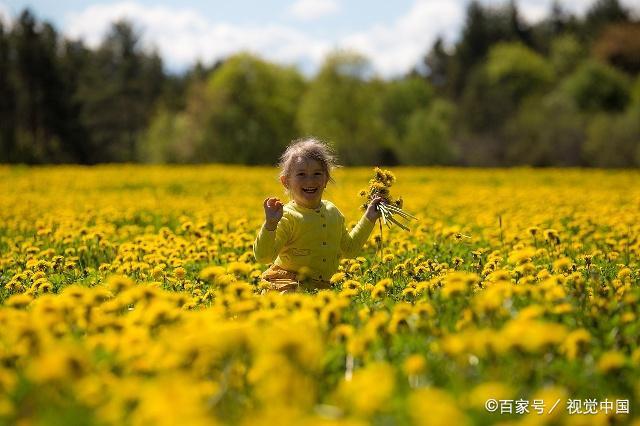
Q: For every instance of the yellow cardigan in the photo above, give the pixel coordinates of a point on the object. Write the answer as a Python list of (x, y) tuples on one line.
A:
[(315, 239)]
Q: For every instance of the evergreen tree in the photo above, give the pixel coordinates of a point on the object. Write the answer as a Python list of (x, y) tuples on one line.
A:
[(58, 117), (472, 47), (602, 13), (438, 64), (559, 23), (29, 142), (518, 29), (74, 61), (40, 108), (558, 19), (119, 89), (7, 101)]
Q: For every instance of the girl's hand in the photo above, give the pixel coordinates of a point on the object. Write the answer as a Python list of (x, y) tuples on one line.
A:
[(372, 212), (273, 210)]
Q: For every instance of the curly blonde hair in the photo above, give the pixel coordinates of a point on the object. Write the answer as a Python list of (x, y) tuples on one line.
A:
[(308, 148)]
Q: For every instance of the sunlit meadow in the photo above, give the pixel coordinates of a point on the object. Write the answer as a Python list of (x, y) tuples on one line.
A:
[(130, 295)]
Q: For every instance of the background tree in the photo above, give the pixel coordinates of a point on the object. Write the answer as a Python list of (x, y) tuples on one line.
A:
[(166, 140), (598, 87), (518, 70), (471, 48), (119, 89), (558, 19), (399, 99), (613, 140), (563, 91), (604, 12), (494, 93), (242, 114), (42, 110), (253, 105), (7, 101), (342, 106), (619, 46), (546, 131), (566, 54), (484, 27), (73, 62), (438, 67), (427, 140), (518, 29)]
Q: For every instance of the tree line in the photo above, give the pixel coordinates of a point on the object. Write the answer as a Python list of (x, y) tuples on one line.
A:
[(562, 92)]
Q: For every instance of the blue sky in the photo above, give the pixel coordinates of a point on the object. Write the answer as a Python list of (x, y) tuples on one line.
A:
[(393, 34)]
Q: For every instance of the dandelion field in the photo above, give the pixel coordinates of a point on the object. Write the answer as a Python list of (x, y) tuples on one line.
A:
[(129, 295)]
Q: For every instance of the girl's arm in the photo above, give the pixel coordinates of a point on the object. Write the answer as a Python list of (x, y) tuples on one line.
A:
[(268, 243), (351, 242), (273, 235)]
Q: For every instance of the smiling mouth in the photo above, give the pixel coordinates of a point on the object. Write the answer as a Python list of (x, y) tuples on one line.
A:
[(310, 190)]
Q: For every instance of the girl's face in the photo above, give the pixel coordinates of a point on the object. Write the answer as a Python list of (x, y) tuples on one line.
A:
[(306, 181)]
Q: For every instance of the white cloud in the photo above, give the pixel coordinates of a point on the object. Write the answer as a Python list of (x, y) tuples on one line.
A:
[(533, 12), (307, 10), (397, 48), (183, 36), (5, 15)]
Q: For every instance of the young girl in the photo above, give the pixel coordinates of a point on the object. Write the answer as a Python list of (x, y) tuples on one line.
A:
[(307, 236)]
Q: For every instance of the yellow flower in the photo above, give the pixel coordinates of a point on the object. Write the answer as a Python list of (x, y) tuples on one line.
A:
[(180, 272), (562, 265), (342, 333), (157, 272), (499, 275), (549, 395), (60, 365), (628, 317), (435, 407), (414, 365), (239, 268), (531, 312), (211, 272), (454, 288), (611, 361), (562, 308), (352, 285), (478, 396), (551, 235), (378, 291), (369, 391), (354, 268), (337, 278), (386, 283), (409, 292), (521, 256), (424, 309), (118, 283), (18, 301), (624, 273), (531, 336), (454, 344), (575, 343)]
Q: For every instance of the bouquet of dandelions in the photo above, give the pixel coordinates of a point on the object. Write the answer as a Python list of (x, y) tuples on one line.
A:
[(379, 187)]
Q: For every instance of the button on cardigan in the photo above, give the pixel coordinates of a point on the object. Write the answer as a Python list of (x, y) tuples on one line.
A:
[(311, 238)]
